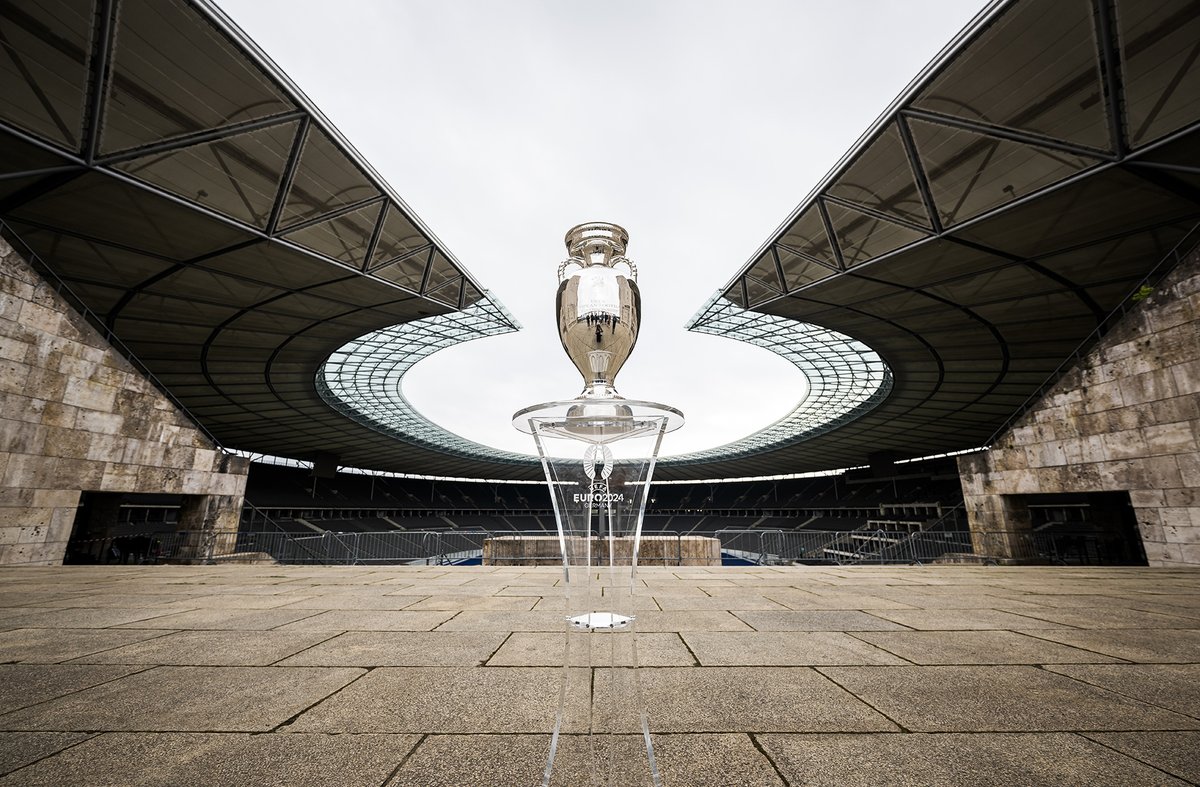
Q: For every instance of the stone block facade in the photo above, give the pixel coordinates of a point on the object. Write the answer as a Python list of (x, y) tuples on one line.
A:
[(1125, 418), (76, 416)]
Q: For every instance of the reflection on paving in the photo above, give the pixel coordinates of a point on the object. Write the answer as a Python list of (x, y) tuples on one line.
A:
[(226, 675)]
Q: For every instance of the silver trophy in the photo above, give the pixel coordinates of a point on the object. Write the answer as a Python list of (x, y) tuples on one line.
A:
[(598, 451), (598, 305)]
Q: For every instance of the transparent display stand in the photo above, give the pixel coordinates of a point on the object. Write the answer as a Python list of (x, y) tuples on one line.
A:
[(599, 456)]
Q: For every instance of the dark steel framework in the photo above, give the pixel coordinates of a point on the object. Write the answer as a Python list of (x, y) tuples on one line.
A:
[(1010, 200), (194, 200)]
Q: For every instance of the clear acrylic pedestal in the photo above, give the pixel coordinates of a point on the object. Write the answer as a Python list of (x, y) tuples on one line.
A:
[(599, 456)]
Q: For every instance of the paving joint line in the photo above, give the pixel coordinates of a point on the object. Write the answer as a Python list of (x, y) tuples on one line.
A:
[(294, 717)]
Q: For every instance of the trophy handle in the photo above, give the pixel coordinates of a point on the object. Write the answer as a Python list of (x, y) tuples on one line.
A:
[(562, 266), (628, 263)]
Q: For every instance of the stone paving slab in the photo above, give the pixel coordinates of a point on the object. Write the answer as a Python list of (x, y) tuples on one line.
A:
[(219, 760), (1177, 753), (369, 620), (986, 699), (1112, 618), (783, 648), (237, 601), (963, 619), (223, 619), (733, 689), (397, 649), (955, 759), (505, 760), (22, 685), (18, 749), (543, 649), (815, 620), (753, 699), (436, 700), (84, 618), (1172, 686), (50, 646), (353, 601), (234, 699), (730, 601), (1142, 645), (802, 600), (501, 620), (977, 647), (690, 620), (210, 648), (456, 603)]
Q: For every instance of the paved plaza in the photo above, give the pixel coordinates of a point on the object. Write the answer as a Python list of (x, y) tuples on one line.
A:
[(397, 675)]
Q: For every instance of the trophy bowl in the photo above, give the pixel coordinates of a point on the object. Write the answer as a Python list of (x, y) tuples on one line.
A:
[(598, 305)]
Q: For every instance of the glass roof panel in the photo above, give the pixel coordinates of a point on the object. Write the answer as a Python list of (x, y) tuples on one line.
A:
[(846, 378), (970, 173), (1103, 205), (447, 293), (862, 237), (807, 236), (471, 295), (173, 73), (736, 294), (441, 271), (326, 179), (757, 292), (363, 378), (83, 260), (408, 272), (101, 207), (397, 238), (799, 271), (765, 272), (45, 47), (1161, 66), (881, 178), (344, 237), (238, 176), (1035, 69)]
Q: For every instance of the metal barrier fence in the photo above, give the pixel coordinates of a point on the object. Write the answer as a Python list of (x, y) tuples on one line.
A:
[(442, 547)]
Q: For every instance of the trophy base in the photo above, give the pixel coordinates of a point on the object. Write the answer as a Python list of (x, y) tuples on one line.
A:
[(597, 420), (601, 621)]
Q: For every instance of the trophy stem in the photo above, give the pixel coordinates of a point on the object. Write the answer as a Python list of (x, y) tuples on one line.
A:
[(599, 486)]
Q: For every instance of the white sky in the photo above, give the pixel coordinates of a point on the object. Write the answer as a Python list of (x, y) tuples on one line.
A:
[(698, 126)]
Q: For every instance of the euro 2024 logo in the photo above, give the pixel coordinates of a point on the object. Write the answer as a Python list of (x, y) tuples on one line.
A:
[(598, 461)]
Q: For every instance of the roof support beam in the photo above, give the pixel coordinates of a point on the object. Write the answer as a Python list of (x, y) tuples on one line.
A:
[(101, 66), (833, 241), (918, 171), (289, 174), (201, 137), (1110, 73), (1011, 135)]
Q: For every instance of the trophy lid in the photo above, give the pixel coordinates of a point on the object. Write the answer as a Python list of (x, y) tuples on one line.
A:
[(596, 237)]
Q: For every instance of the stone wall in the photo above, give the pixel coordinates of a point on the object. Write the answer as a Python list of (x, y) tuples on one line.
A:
[(1126, 418), (652, 551), (76, 416)]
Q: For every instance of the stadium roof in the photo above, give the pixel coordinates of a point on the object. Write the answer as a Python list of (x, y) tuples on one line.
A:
[(207, 215), (1009, 200), (211, 219)]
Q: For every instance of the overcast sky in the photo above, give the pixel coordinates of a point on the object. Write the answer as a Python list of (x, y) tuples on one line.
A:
[(698, 126)]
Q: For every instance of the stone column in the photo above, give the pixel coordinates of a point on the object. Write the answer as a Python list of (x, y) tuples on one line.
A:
[(1001, 527), (209, 524)]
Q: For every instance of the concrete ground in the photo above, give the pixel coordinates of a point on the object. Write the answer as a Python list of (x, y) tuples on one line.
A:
[(267, 675)]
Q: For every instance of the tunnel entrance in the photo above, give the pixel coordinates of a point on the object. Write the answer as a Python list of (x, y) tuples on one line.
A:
[(1095, 528), (118, 527)]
